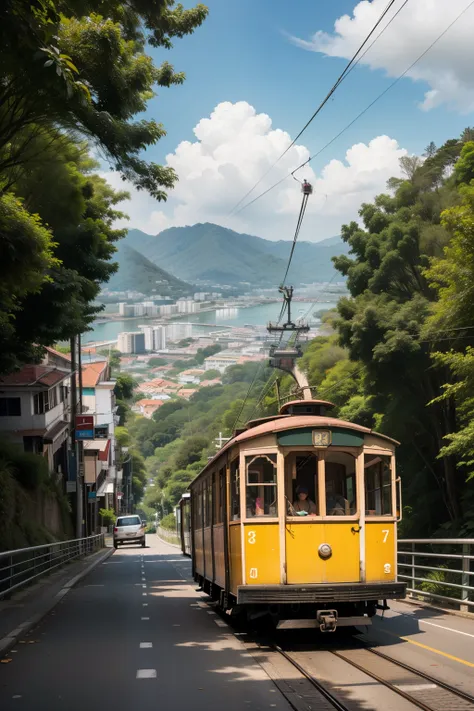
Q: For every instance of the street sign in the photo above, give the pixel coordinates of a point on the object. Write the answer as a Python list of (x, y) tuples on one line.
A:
[(119, 495), (85, 434), (101, 432), (71, 487), (92, 495), (84, 426), (84, 422)]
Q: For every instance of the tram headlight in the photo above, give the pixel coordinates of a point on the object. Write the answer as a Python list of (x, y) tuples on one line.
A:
[(325, 551)]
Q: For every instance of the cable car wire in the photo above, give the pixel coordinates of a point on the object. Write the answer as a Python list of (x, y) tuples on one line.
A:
[(347, 70), (364, 111)]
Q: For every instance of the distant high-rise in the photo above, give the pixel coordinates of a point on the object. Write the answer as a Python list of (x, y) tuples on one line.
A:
[(131, 342), (155, 338)]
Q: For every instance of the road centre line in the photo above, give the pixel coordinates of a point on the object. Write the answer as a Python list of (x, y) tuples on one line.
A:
[(431, 649)]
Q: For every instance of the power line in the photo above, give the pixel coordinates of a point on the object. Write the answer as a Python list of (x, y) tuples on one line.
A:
[(364, 111), (347, 70)]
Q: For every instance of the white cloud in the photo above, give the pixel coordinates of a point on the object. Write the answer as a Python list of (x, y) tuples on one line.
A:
[(447, 68), (233, 148)]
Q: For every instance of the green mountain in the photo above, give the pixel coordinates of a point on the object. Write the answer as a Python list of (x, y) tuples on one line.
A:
[(137, 273), (215, 254)]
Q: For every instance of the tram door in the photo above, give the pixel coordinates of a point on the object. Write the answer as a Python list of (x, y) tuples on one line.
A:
[(329, 481)]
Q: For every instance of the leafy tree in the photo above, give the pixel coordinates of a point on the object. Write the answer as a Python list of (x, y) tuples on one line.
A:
[(124, 386), (210, 374), (82, 66), (156, 362), (203, 353), (27, 259)]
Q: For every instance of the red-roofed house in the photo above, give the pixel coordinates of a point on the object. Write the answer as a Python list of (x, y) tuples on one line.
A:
[(187, 393), (147, 407)]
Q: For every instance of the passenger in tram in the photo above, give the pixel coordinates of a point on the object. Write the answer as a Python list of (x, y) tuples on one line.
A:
[(335, 503), (303, 505)]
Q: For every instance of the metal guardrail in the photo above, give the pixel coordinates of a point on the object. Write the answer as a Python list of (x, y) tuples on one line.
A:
[(438, 569), (24, 565), (168, 536)]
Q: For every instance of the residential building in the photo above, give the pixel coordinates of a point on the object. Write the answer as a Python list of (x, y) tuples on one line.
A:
[(155, 337), (210, 383), (191, 376), (221, 361), (168, 309), (35, 409), (98, 399), (178, 331), (131, 342), (147, 407), (187, 393)]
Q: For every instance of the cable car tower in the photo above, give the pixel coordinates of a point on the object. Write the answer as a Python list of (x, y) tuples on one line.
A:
[(283, 356)]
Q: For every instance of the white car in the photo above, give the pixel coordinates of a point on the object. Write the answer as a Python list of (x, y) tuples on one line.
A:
[(129, 529)]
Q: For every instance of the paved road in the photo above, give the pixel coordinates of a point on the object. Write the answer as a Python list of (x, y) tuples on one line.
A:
[(135, 635)]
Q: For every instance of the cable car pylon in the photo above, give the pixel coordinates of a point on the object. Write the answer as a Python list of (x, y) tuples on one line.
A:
[(284, 357)]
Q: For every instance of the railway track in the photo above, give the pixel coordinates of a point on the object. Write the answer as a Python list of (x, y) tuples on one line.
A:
[(420, 689)]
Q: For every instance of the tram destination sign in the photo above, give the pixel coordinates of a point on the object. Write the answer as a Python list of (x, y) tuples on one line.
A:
[(322, 438)]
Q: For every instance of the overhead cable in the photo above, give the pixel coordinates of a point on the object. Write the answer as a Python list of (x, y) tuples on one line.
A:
[(364, 111), (347, 70)]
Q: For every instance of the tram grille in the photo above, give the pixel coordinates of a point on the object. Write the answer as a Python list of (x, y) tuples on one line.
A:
[(319, 593)]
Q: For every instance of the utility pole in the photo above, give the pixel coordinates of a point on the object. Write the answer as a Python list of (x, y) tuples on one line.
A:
[(74, 442)]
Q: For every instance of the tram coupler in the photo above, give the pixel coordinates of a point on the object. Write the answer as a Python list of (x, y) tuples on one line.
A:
[(327, 620)]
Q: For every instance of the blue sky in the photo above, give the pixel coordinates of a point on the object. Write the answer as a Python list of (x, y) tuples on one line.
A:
[(244, 52)]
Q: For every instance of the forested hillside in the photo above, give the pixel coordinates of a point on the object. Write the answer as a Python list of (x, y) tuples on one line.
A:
[(209, 252), (399, 356)]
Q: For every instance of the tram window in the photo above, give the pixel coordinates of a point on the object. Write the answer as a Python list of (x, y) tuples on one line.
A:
[(235, 490), (301, 470), (378, 485), (340, 479), (207, 502), (220, 495), (204, 504), (261, 471), (198, 507)]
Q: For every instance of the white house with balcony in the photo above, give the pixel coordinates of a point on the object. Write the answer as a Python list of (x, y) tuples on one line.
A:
[(98, 399), (35, 408)]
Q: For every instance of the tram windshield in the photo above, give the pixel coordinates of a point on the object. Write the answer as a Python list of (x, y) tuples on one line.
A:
[(340, 476), (301, 474)]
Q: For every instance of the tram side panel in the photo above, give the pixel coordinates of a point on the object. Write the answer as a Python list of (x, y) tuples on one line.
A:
[(262, 554), (235, 556)]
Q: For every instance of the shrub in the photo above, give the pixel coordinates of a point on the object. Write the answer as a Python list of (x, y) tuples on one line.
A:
[(169, 522), (108, 516)]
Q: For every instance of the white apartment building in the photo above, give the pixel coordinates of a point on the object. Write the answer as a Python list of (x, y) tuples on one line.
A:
[(178, 331), (155, 338), (168, 309), (131, 342)]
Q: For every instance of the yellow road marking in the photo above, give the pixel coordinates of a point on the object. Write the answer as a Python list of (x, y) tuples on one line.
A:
[(431, 649)]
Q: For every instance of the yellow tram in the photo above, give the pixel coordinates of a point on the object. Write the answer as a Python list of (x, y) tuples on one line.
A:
[(257, 549)]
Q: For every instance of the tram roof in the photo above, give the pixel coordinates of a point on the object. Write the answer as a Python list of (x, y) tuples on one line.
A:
[(292, 422)]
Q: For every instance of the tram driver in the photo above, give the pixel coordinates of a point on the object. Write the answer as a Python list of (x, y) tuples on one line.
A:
[(303, 504)]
